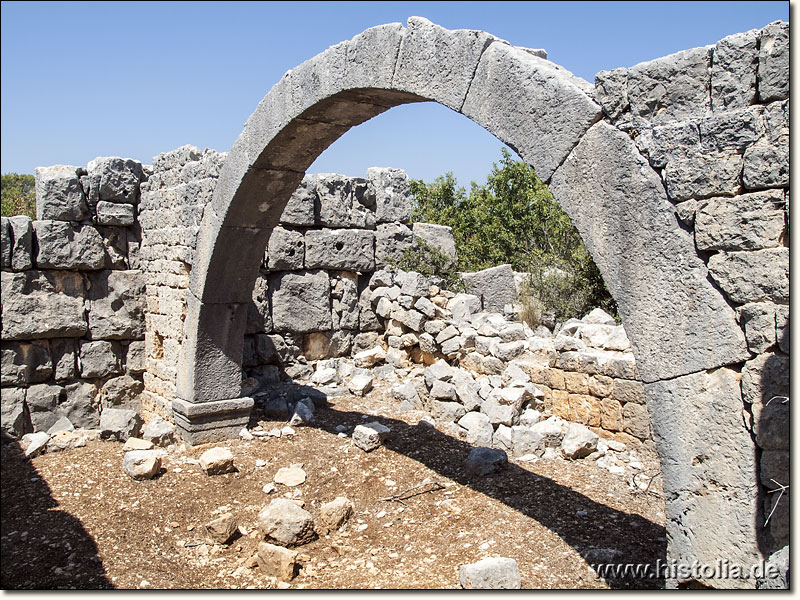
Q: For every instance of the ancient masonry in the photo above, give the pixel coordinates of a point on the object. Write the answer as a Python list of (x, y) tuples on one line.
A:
[(675, 172)]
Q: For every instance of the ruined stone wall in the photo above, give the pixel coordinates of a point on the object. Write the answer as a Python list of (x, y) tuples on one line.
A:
[(73, 299), (714, 123)]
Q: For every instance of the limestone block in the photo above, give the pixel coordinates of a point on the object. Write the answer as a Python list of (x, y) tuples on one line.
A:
[(578, 441), (372, 54), (25, 363), (333, 514), (141, 464), (66, 246), (342, 249), (122, 392), (120, 424), (135, 362), (277, 561), (338, 206), (636, 421), (732, 130), (114, 179), (116, 305), (448, 412), (765, 386), (677, 322), (773, 62), (438, 236), (673, 140), (42, 400), (81, 406), (6, 243), (671, 88), (610, 415), (300, 208), (21, 243), (259, 315), (437, 63), (733, 71), (752, 276), (344, 294), (301, 301), (703, 175), (626, 390), (492, 573), (758, 320), (15, 420), (485, 461), (782, 327), (479, 428), (286, 250), (99, 358), (112, 213), (551, 111), (391, 240), (746, 222), (389, 188), (59, 194), (766, 166), (611, 91), (687, 412), (495, 286), (42, 304)]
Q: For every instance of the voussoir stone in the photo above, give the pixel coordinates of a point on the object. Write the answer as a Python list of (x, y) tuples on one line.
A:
[(676, 321)]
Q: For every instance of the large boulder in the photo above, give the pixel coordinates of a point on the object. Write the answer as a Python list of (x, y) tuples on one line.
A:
[(495, 286), (284, 522)]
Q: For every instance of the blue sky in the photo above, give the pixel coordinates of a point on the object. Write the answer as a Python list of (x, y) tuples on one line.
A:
[(86, 79)]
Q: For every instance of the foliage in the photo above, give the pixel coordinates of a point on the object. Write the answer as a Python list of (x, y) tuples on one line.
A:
[(428, 260), (18, 195), (513, 219), (531, 306)]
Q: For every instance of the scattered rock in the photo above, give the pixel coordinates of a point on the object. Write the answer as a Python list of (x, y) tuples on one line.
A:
[(141, 464), (333, 514), (370, 436), (222, 529), (361, 384), (34, 443), (159, 431), (137, 444), (303, 412), (578, 441), (120, 424), (290, 476), (485, 461), (493, 573), (285, 523), (277, 561), (217, 461)]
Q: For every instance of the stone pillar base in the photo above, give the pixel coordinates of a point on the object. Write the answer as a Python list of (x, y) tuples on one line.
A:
[(207, 422)]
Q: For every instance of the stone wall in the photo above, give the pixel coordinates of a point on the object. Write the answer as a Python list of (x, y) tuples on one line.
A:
[(73, 299), (714, 123)]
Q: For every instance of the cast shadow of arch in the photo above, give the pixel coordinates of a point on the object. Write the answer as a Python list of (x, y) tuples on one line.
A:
[(54, 539), (639, 540)]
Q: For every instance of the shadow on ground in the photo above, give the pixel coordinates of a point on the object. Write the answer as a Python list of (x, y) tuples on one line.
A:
[(42, 546)]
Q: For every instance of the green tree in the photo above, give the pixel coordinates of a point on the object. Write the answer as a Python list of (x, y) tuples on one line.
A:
[(18, 195), (514, 219)]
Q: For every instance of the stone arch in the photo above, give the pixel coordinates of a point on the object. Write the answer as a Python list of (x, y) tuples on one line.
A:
[(681, 328)]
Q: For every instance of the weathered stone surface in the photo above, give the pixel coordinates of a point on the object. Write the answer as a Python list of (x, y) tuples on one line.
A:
[(277, 561), (391, 240), (15, 421), (6, 243), (116, 302), (299, 209), (370, 436), (495, 286), (338, 204), (285, 523), (81, 406), (731, 130), (437, 236), (42, 400), (99, 359), (333, 514), (66, 246), (134, 358), (479, 428), (222, 529), (765, 167), (611, 90), (703, 175), (671, 88), (686, 413), (626, 390), (360, 384), (733, 71), (492, 573), (141, 464), (746, 222), (540, 88), (286, 249), (389, 188), (486, 461), (34, 443), (301, 301), (114, 179), (752, 276), (758, 320), (25, 363), (217, 461), (136, 444), (773, 62), (59, 194), (21, 243), (765, 387), (369, 358), (343, 249), (112, 213), (290, 476), (120, 424), (776, 576), (448, 412), (578, 441), (664, 301), (782, 327)]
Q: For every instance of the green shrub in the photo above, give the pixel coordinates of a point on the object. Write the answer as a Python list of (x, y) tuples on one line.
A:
[(428, 260), (18, 195)]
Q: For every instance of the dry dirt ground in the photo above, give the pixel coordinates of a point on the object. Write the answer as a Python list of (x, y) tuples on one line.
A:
[(74, 520)]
